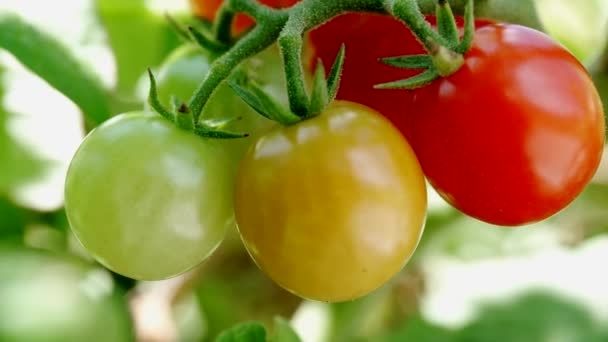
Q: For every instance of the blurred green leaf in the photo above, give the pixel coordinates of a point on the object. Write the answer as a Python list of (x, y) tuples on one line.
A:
[(416, 329), (54, 63), (139, 38), (283, 332), (537, 317), (19, 165), (12, 221), (244, 332)]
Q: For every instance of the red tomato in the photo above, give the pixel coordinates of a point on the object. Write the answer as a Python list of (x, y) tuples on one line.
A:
[(206, 9), (514, 135), (369, 37)]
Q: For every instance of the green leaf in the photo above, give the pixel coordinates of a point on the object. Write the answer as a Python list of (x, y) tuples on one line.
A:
[(283, 332), (319, 98), (413, 82), (333, 80), (244, 332), (54, 63), (409, 62)]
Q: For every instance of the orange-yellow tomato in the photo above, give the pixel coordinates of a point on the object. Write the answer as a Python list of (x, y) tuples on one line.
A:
[(334, 206)]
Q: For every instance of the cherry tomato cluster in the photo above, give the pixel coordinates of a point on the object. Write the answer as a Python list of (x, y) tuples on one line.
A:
[(333, 206)]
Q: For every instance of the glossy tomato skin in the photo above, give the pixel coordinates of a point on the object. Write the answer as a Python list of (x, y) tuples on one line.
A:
[(146, 199), (367, 38), (332, 207), (514, 135), (207, 9)]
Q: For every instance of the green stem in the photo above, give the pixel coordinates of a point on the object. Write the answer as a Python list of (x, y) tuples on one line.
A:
[(261, 37), (408, 12), (288, 27)]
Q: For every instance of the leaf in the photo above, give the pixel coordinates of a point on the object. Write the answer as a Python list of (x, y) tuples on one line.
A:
[(244, 332), (283, 332), (53, 62)]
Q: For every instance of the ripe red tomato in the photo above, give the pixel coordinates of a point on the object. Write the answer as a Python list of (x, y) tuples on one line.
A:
[(514, 135), (206, 9), (369, 37)]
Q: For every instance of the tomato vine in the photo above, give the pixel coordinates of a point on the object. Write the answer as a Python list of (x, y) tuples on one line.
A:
[(287, 27)]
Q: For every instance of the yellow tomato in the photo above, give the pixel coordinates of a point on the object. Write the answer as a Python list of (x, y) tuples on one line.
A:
[(331, 207)]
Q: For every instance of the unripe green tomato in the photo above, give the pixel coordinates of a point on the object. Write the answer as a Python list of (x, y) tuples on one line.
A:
[(47, 297), (332, 207), (147, 199)]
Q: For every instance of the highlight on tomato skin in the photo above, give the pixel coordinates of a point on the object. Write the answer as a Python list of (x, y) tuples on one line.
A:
[(332, 207), (207, 9), (516, 134)]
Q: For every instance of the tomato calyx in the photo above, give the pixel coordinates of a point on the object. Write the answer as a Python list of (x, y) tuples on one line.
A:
[(182, 117), (323, 93), (445, 55)]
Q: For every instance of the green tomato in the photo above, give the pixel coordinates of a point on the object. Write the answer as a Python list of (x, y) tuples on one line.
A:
[(146, 199), (51, 297)]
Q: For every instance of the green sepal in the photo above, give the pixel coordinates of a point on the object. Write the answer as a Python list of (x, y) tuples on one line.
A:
[(184, 119), (209, 132), (176, 103), (409, 62), (333, 80), (179, 29), (155, 102), (205, 42), (413, 82), (469, 29), (221, 123), (446, 24), (250, 99), (264, 104), (319, 97)]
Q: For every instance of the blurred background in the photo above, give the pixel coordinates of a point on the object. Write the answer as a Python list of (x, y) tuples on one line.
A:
[(468, 281)]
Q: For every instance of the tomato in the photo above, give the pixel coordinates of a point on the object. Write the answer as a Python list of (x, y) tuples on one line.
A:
[(514, 135), (52, 297), (183, 71), (369, 37), (207, 9), (146, 199), (331, 207)]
